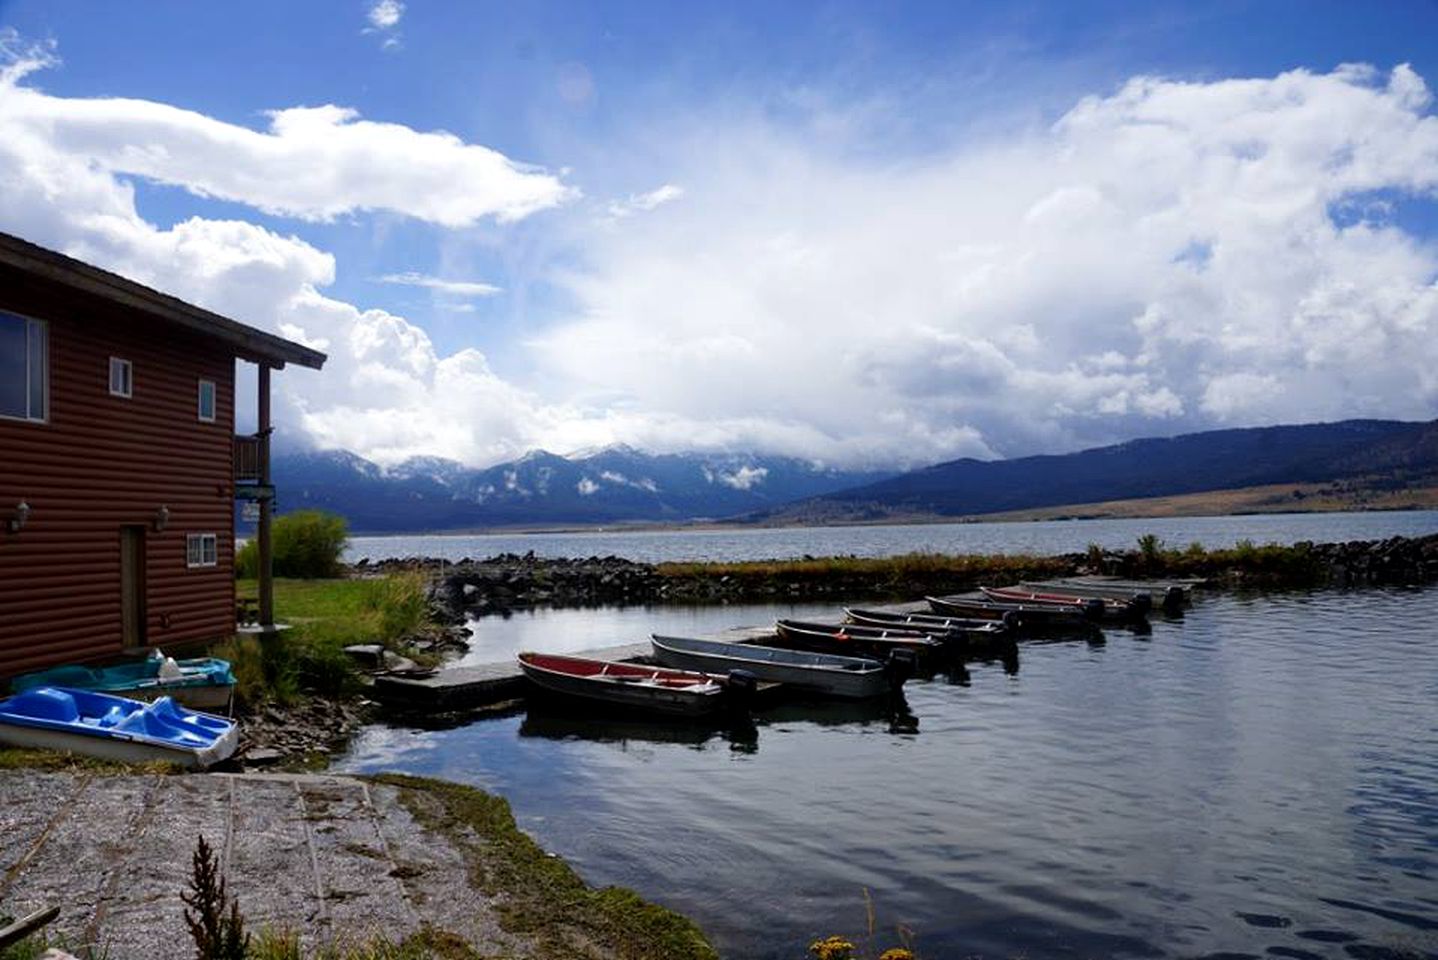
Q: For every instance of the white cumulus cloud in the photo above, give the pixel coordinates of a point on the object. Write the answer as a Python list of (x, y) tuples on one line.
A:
[(312, 163), (1172, 256)]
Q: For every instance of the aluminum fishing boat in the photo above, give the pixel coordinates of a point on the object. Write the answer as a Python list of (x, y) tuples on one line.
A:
[(115, 728), (1022, 616), (827, 673), (856, 640), (1170, 597)]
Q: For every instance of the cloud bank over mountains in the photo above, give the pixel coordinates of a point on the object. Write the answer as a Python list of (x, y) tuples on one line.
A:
[(1171, 257), (1167, 257)]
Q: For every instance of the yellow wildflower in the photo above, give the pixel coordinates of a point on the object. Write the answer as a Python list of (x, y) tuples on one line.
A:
[(832, 948)]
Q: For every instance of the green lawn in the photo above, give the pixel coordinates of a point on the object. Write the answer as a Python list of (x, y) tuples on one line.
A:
[(325, 616), (307, 601)]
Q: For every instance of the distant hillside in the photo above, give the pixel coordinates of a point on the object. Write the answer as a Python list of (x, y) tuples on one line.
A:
[(1379, 450), (1345, 494), (617, 484)]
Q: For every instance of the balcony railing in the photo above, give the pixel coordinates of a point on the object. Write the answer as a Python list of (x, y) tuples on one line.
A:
[(249, 455)]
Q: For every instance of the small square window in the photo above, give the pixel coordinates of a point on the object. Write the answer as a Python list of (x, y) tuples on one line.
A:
[(121, 378), (207, 401), (201, 550)]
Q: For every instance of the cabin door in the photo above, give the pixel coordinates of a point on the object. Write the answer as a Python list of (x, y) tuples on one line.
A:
[(132, 586)]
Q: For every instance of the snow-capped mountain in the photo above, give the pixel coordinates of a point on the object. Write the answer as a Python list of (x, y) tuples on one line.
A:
[(607, 485)]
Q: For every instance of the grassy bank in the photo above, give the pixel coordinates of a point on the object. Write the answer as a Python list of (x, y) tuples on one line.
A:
[(916, 574), (901, 577), (1296, 565), (1335, 496), (324, 616)]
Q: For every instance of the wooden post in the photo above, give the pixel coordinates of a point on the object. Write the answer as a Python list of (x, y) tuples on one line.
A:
[(266, 549), (24, 927)]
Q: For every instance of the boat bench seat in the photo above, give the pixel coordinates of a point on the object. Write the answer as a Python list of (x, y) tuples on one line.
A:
[(112, 718)]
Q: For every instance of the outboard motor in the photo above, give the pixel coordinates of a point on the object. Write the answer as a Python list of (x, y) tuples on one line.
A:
[(1140, 604), (740, 687), (1093, 610), (903, 663), (1013, 620), (1173, 600)]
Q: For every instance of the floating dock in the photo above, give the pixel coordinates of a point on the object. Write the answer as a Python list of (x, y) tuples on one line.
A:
[(458, 688)]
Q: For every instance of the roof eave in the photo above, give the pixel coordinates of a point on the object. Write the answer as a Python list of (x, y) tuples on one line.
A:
[(255, 346)]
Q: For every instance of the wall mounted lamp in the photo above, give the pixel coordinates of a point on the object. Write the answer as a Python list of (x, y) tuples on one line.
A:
[(162, 519), (17, 522)]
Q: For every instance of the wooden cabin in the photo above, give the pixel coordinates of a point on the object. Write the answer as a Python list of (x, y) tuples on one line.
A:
[(119, 464)]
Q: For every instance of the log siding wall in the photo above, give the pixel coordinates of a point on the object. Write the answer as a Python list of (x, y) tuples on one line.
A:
[(101, 462)]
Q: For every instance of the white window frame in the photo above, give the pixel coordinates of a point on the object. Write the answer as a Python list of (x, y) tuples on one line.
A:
[(40, 328), (214, 401), (202, 550), (126, 387)]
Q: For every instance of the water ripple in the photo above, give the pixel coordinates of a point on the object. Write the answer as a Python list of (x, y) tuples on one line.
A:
[(1258, 779)]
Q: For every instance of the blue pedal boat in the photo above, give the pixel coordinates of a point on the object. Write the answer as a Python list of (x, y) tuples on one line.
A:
[(115, 728), (205, 683)]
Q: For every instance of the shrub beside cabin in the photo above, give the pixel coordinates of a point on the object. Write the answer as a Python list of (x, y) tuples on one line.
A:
[(119, 464)]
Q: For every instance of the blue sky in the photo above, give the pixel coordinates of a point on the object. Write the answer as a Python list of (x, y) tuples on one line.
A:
[(640, 117)]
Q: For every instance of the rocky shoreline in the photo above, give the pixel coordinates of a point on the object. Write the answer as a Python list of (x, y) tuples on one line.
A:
[(302, 734), (507, 582)]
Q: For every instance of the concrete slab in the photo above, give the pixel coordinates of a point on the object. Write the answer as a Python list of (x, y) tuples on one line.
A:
[(330, 859)]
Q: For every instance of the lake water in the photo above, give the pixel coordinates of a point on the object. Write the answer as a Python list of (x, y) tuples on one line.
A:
[(1050, 537), (1257, 779), (496, 638)]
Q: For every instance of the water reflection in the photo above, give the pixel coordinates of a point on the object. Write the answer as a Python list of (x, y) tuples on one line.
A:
[(558, 719), (502, 636), (553, 721)]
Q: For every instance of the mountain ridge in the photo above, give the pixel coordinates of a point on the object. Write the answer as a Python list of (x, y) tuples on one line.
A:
[(615, 484), (620, 485), (1146, 467)]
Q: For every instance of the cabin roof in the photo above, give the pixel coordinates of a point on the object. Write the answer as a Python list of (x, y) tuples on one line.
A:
[(248, 343)]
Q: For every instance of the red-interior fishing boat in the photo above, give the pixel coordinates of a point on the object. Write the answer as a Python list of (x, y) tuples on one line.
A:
[(635, 685), (1098, 608)]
